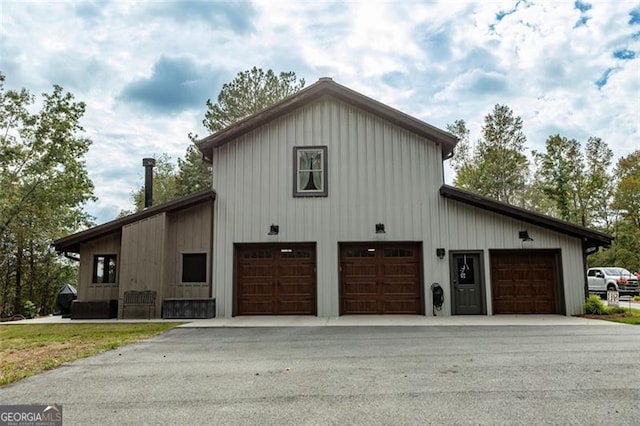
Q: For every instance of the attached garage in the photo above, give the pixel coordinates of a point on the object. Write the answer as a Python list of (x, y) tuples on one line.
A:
[(380, 278), (526, 282), (276, 279)]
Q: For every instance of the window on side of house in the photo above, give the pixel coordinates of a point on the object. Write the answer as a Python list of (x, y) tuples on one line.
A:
[(194, 267), (104, 268), (310, 171)]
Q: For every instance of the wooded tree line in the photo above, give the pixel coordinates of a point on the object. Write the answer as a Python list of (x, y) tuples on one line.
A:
[(43, 185), (572, 181)]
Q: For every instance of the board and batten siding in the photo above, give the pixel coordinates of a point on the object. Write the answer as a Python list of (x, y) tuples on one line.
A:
[(143, 254), (377, 172), (469, 228), (189, 232), (87, 289)]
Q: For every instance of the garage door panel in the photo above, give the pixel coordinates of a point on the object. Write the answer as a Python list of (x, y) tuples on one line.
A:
[(276, 279), (297, 271), (360, 289), (257, 289), (295, 289), (401, 306), (256, 307), (399, 270), (400, 288), (294, 307), (360, 306), (359, 270), (524, 282), (380, 278)]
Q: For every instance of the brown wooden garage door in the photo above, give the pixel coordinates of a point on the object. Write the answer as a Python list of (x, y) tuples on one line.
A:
[(276, 279), (380, 279), (524, 282)]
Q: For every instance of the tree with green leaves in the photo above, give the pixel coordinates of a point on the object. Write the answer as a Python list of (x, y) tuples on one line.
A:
[(627, 193), (498, 168), (249, 92), (559, 173), (194, 174), (626, 227), (164, 185), (44, 185), (579, 185), (461, 154)]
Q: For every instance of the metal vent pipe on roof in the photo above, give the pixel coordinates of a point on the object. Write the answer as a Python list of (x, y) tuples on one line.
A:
[(148, 164)]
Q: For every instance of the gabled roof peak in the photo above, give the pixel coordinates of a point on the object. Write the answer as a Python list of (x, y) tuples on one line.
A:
[(325, 86)]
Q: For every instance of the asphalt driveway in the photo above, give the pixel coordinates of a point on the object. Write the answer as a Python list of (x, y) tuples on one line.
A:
[(353, 375)]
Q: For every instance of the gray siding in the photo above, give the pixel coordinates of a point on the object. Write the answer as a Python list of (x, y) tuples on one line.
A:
[(474, 229), (377, 173)]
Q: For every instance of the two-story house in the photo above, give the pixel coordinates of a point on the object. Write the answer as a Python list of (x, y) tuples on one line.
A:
[(330, 203)]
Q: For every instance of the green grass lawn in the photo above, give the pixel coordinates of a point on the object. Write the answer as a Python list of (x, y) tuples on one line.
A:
[(630, 316), (27, 349)]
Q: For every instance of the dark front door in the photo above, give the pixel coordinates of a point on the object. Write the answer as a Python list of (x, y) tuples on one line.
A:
[(466, 279)]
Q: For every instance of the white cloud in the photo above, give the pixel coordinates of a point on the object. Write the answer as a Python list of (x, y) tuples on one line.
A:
[(439, 61)]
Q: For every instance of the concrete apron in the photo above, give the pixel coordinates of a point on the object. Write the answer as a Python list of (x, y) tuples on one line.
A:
[(351, 321)]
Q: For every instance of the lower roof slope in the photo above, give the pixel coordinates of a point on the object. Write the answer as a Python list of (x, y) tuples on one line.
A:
[(589, 237), (71, 243)]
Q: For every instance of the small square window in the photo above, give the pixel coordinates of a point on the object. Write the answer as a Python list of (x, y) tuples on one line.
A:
[(104, 268), (310, 171), (194, 267)]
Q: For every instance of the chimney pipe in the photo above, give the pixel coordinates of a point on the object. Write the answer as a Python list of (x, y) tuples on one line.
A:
[(148, 164)]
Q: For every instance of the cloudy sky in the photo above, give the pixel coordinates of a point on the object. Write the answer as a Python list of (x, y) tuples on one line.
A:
[(146, 68)]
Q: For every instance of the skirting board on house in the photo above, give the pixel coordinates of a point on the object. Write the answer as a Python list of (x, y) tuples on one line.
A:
[(188, 308), (94, 309)]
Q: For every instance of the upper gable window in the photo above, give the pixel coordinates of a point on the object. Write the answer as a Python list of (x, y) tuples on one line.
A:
[(310, 171)]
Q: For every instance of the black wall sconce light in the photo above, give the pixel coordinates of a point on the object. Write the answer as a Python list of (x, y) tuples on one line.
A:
[(274, 230), (524, 236), (380, 228), (440, 253)]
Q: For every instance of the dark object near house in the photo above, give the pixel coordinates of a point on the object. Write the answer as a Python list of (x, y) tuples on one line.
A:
[(94, 309), (66, 295), (188, 308), (145, 299)]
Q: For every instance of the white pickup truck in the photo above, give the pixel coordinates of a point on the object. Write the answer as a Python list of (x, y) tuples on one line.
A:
[(606, 278)]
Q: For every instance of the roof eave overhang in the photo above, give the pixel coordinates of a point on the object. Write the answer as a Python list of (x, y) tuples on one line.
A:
[(71, 243), (589, 237), (326, 87)]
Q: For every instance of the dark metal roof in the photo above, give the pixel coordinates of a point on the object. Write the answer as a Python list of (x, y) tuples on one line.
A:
[(589, 237), (327, 87), (71, 243)]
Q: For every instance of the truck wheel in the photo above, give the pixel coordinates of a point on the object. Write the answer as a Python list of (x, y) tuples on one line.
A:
[(611, 287)]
